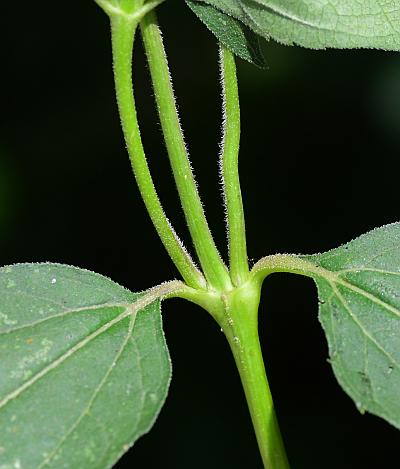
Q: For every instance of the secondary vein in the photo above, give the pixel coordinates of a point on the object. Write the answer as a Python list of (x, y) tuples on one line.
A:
[(94, 396)]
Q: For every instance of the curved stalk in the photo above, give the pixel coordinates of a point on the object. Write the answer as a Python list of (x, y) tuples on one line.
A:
[(123, 32), (289, 263), (210, 260), (238, 263)]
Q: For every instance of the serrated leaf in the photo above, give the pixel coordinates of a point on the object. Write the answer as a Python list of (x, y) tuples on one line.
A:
[(359, 290), (318, 24), (234, 34), (84, 368)]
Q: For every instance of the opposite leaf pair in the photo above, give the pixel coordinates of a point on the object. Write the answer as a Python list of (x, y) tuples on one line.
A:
[(85, 369)]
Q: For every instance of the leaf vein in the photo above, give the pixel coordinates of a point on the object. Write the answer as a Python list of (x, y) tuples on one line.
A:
[(145, 300), (338, 355), (65, 313), (368, 269), (362, 327), (94, 396), (369, 296), (54, 364)]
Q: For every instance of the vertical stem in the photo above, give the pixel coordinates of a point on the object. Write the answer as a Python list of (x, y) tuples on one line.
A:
[(123, 32), (259, 400), (210, 260), (241, 329), (238, 264)]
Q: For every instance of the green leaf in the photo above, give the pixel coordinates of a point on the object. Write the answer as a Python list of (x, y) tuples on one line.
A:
[(359, 292), (319, 24), (84, 368), (234, 34)]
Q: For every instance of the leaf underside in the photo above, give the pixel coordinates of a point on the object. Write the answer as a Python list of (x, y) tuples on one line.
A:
[(359, 292), (82, 373), (234, 34), (320, 24)]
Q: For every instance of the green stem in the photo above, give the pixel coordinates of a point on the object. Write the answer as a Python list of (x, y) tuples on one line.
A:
[(230, 171), (241, 329), (259, 400), (236, 312), (123, 32), (210, 260)]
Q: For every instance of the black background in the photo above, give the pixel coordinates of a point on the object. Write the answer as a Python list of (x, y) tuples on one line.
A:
[(319, 166)]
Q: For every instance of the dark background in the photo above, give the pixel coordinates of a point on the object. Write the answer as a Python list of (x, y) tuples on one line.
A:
[(319, 166)]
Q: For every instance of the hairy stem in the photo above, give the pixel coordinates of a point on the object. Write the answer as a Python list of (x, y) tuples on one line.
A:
[(238, 264), (240, 324), (259, 400), (236, 312), (210, 260), (123, 32), (289, 263)]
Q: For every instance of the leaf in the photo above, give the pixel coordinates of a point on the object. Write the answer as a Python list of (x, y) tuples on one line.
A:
[(359, 290), (235, 35), (84, 368), (318, 24)]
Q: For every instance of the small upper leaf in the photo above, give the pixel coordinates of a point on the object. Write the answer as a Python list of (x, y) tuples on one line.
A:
[(234, 34), (318, 24), (84, 368), (359, 291)]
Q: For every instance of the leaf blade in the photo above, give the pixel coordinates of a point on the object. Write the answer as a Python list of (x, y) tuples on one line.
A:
[(320, 24), (360, 314), (90, 389), (234, 34)]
